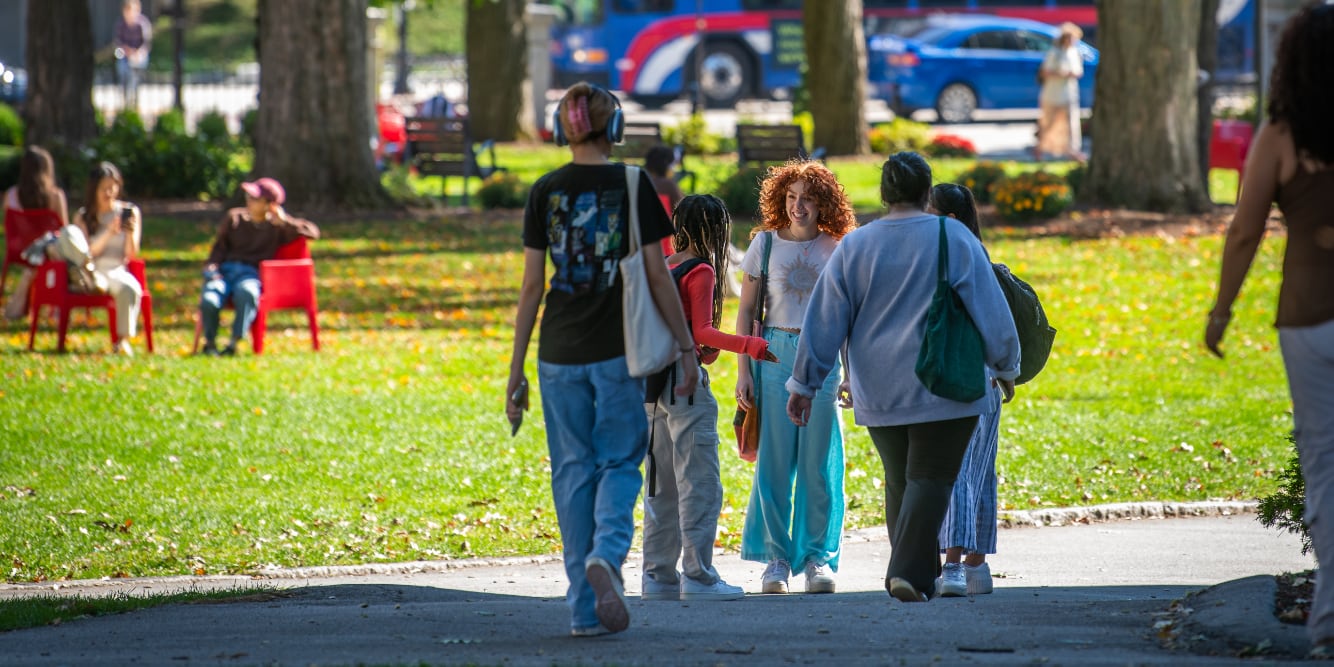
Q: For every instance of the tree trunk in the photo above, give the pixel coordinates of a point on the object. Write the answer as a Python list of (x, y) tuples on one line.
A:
[(1145, 155), (836, 75), (314, 123), (499, 100), (59, 110), (1206, 59)]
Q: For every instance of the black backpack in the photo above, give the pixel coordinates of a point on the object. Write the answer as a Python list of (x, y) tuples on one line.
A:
[(1035, 333), (655, 383)]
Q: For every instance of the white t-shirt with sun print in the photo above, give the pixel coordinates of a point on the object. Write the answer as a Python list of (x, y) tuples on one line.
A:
[(793, 268)]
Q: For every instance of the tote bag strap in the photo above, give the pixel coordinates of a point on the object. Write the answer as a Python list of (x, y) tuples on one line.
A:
[(943, 261), (632, 192)]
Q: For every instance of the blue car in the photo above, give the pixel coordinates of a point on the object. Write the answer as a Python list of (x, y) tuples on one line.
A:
[(959, 63)]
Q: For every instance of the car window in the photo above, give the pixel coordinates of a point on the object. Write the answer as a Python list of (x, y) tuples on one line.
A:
[(992, 39), (1034, 41)]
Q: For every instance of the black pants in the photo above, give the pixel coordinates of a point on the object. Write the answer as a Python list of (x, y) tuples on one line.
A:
[(921, 462)]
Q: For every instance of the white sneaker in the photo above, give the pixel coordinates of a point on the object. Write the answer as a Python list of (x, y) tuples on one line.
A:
[(952, 583), (979, 579), (123, 347), (655, 590), (608, 594), (718, 591), (818, 579), (775, 577)]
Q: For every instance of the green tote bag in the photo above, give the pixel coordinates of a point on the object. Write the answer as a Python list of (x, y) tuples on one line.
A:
[(951, 363)]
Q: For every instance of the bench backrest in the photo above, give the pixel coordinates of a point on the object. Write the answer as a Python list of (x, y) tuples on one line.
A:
[(769, 143), (441, 146), (638, 138)]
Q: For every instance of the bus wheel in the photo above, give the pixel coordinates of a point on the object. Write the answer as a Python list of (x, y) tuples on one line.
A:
[(725, 75), (956, 103)]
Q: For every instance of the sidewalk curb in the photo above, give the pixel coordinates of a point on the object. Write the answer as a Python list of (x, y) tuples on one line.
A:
[(1011, 519)]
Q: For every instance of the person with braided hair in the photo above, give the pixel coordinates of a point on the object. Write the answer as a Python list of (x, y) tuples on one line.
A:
[(685, 489), (597, 434)]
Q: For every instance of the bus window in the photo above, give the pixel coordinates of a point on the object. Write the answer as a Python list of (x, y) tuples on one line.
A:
[(579, 12), (769, 5), (643, 6)]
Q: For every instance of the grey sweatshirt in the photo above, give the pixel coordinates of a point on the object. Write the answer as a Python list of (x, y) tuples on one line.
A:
[(874, 293)]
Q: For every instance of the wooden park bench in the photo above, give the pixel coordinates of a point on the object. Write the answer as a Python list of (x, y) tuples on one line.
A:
[(443, 147), (638, 138), (766, 144)]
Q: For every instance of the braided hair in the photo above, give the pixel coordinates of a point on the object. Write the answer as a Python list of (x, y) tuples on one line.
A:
[(703, 223)]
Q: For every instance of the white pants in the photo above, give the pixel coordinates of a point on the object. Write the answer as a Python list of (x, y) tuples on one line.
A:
[(1308, 354), (123, 287)]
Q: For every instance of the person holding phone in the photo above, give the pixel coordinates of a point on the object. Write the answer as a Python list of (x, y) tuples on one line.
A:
[(113, 229)]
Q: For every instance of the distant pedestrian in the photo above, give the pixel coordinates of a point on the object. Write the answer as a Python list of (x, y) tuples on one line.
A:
[(597, 434), (1059, 124), (968, 532), (872, 299), (134, 41), (684, 488), (794, 521), (1291, 163)]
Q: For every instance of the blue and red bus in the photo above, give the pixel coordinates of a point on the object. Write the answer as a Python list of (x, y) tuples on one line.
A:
[(651, 49)]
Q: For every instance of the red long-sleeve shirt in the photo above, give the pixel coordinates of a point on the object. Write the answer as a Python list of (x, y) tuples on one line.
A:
[(697, 298)]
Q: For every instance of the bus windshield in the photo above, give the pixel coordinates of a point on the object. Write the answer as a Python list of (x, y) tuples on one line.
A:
[(578, 12)]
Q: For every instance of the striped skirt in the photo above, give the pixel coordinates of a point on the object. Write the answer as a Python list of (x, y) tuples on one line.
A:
[(971, 520)]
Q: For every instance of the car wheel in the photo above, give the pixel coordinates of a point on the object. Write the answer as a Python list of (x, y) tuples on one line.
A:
[(725, 75), (956, 103)]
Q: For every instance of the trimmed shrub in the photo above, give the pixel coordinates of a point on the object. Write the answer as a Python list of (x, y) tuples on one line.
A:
[(1286, 508), (248, 123), (951, 145), (900, 134), (169, 162), (1075, 177), (741, 193), (212, 128), (11, 126), (980, 178), (1035, 195), (694, 134), (503, 190)]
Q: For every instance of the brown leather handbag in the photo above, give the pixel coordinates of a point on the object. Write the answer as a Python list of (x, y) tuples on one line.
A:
[(746, 423)]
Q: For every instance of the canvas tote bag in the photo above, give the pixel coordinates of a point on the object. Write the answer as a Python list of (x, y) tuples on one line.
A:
[(649, 343)]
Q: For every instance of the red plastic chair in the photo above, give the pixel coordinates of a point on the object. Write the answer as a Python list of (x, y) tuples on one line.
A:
[(1229, 143), (21, 229), (51, 288), (287, 282)]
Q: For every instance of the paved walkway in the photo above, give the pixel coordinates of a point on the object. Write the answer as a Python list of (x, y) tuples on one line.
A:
[(1086, 594)]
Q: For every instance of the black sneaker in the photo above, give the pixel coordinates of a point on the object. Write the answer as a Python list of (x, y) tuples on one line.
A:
[(209, 350), (229, 351)]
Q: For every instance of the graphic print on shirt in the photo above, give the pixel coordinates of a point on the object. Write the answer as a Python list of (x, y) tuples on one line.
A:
[(797, 278), (585, 239)]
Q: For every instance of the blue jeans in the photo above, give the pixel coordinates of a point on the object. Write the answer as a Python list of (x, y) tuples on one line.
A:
[(238, 282), (129, 82), (796, 497), (597, 436)]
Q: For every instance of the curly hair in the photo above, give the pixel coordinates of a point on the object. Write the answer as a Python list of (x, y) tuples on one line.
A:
[(1301, 88), (836, 217)]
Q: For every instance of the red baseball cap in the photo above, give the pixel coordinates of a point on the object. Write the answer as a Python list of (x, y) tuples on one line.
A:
[(265, 188)]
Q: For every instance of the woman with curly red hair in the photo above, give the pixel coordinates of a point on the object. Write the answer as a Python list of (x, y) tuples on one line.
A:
[(795, 519)]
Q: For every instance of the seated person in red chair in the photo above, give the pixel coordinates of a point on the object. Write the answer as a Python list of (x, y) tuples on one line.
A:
[(246, 237)]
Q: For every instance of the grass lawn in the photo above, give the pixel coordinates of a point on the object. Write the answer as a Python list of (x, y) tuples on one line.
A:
[(391, 444)]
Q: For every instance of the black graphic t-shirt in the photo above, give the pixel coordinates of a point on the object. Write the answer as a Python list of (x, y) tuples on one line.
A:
[(578, 214)]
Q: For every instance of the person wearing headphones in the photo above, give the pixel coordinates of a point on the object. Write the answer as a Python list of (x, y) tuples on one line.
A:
[(597, 430)]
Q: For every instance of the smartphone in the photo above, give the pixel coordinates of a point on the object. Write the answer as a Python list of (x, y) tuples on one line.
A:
[(126, 218), (519, 397)]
